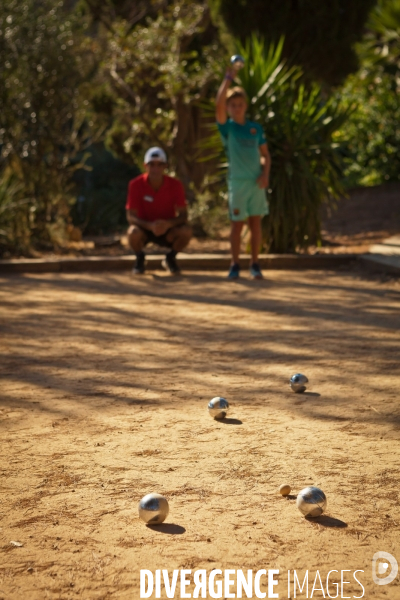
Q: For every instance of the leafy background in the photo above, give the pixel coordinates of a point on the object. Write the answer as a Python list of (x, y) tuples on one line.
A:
[(87, 86)]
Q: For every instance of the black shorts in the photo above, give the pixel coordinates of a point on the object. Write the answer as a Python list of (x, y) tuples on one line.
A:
[(160, 240)]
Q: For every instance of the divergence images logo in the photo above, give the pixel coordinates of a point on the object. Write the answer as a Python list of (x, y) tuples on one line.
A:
[(383, 567)]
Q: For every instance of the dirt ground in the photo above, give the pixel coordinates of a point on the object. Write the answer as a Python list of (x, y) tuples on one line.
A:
[(105, 385), (367, 216)]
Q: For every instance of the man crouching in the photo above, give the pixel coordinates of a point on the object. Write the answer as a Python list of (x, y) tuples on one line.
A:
[(156, 211)]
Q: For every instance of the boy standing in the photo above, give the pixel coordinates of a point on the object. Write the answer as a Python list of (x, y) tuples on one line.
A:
[(244, 142)]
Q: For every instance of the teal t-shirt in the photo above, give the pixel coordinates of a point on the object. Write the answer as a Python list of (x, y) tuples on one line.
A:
[(242, 143)]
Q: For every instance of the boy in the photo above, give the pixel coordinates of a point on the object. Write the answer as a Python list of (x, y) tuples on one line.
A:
[(248, 178)]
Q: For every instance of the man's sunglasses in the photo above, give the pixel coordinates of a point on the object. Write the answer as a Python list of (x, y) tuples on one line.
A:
[(156, 163)]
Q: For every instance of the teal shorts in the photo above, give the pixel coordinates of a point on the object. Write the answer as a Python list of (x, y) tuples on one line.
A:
[(246, 199)]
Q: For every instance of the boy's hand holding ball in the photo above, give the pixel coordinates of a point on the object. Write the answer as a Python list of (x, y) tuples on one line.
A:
[(237, 62)]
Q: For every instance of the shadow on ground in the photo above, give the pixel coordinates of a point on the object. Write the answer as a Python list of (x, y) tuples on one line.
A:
[(106, 338)]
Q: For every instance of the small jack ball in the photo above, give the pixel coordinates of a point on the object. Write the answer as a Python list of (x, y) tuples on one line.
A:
[(285, 489)]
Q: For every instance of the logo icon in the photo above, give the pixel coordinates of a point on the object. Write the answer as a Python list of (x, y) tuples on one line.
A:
[(253, 131), (380, 568)]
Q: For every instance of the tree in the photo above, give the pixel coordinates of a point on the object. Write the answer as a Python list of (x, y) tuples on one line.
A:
[(101, 192), (319, 36), (14, 215), (373, 129), (46, 67), (107, 12), (158, 74)]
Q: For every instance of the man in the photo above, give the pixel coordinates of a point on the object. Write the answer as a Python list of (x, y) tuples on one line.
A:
[(248, 174), (156, 212)]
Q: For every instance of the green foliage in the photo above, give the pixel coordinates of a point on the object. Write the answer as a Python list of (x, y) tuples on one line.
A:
[(14, 215), (373, 129), (45, 69), (307, 167), (157, 74), (102, 191), (299, 124), (107, 11), (319, 35), (383, 28), (144, 70)]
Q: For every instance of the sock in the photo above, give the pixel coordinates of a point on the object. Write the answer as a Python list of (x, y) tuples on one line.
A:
[(172, 253), (140, 254)]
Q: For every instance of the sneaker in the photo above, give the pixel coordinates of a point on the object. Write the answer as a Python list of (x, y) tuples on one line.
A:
[(234, 272), (139, 267), (169, 264), (255, 271)]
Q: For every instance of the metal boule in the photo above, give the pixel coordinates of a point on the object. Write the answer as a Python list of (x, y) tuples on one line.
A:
[(237, 62), (297, 383), (153, 509), (218, 407), (311, 502)]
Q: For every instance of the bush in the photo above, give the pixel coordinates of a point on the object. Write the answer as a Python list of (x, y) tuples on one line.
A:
[(319, 36), (46, 70), (373, 128), (102, 191), (15, 213)]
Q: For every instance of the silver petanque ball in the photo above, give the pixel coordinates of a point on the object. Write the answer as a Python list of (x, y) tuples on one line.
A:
[(218, 408), (311, 502), (153, 509), (237, 62), (297, 383)]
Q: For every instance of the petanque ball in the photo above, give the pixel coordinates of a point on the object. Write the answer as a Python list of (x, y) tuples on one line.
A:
[(218, 407), (237, 62), (297, 383), (153, 509), (311, 502)]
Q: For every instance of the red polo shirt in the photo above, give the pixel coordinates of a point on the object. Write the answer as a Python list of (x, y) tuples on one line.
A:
[(152, 204)]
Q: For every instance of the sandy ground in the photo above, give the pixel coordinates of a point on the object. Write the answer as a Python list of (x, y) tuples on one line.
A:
[(367, 216), (105, 384)]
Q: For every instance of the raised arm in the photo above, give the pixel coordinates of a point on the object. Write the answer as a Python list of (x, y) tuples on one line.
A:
[(220, 101)]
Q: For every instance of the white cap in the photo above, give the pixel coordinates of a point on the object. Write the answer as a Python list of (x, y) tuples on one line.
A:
[(156, 154)]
